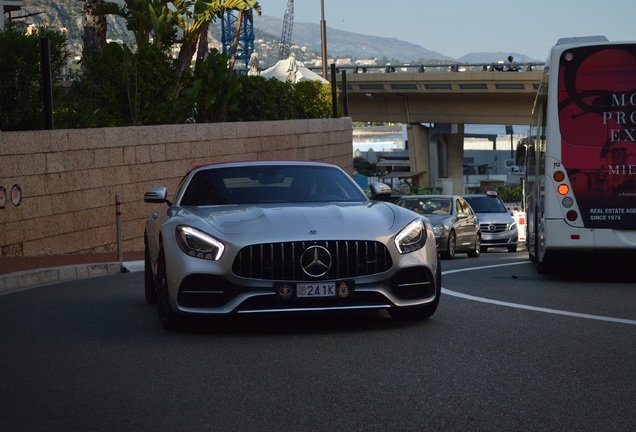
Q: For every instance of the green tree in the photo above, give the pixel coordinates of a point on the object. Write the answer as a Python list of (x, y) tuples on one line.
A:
[(272, 99), (194, 23), (311, 99), (262, 99), (510, 194), (95, 28), (211, 87), (364, 167), (150, 21), (158, 20), (123, 88), (21, 94)]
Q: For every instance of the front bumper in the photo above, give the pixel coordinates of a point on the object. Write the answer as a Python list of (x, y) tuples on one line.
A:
[(213, 295), (510, 238)]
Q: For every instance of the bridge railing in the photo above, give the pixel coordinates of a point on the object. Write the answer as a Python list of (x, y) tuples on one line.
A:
[(436, 67)]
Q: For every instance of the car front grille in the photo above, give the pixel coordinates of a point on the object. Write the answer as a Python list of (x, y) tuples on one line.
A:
[(493, 228), (282, 261)]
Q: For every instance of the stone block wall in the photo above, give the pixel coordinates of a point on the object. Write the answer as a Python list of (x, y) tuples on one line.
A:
[(69, 179)]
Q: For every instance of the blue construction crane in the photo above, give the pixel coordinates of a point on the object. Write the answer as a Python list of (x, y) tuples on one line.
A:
[(245, 46)]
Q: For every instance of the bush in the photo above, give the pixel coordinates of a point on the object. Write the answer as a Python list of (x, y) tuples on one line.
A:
[(21, 90), (311, 99), (209, 89), (271, 99), (510, 194), (123, 88)]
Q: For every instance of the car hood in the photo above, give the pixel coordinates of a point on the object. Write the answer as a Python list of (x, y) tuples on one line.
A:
[(489, 218), (245, 219)]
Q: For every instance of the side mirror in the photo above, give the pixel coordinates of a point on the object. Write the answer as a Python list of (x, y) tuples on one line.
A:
[(380, 191), (157, 196)]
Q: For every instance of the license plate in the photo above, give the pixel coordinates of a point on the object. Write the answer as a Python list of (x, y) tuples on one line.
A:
[(322, 289)]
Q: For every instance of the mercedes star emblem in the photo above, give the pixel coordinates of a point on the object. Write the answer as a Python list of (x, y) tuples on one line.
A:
[(315, 261)]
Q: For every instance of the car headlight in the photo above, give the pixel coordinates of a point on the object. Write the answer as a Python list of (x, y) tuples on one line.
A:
[(198, 244), (512, 226), (440, 229), (412, 237)]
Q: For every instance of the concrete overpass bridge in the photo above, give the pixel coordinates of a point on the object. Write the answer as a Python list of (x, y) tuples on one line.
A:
[(435, 105)]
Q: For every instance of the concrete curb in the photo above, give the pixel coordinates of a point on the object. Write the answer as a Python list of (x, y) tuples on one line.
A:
[(22, 280)]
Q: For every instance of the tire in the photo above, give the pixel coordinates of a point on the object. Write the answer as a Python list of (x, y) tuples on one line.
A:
[(532, 252), (150, 286), (449, 253), (476, 250), (547, 266), (512, 248), (531, 240), (167, 317)]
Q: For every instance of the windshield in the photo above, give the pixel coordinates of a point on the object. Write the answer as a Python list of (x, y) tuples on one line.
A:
[(428, 206), (486, 204), (270, 184)]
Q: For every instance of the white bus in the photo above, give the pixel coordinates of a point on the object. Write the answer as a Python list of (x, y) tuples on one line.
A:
[(580, 153)]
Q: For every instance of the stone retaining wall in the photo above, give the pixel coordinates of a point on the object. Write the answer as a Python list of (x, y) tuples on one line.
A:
[(58, 188)]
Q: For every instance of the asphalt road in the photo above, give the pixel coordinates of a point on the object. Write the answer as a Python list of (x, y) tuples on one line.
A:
[(507, 350)]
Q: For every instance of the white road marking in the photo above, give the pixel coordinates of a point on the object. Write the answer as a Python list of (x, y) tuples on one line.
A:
[(526, 307)]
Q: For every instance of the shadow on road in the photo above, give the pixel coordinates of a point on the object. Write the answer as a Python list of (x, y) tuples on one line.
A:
[(295, 324)]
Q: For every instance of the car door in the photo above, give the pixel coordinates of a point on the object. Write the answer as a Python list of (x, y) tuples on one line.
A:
[(468, 224)]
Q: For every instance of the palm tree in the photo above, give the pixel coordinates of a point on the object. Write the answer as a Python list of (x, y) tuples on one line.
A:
[(146, 19), (235, 39), (153, 18), (195, 22), (95, 27)]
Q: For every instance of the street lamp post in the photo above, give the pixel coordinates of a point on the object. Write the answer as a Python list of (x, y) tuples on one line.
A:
[(323, 38)]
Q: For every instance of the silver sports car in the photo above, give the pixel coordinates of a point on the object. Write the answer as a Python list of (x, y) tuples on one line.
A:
[(455, 225), (255, 237)]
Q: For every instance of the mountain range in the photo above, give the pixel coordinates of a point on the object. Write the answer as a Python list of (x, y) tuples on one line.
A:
[(347, 44), (68, 14)]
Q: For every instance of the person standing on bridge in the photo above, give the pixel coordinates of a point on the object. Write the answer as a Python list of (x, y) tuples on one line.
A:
[(511, 66)]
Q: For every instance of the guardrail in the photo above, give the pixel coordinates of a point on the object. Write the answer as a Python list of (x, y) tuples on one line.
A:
[(427, 67), (436, 67)]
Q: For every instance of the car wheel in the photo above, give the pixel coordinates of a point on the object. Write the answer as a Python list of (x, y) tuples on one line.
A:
[(476, 250), (512, 248), (449, 253), (150, 287), (167, 317)]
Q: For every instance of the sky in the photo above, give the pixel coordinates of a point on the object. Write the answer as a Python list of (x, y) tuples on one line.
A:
[(459, 27)]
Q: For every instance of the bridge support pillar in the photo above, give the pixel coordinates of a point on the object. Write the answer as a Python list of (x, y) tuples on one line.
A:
[(436, 154), (417, 138)]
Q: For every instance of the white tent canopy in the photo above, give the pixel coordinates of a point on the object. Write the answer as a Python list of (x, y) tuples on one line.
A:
[(279, 71)]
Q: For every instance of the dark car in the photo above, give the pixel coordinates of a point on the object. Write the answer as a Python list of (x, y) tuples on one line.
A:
[(455, 225), (498, 228)]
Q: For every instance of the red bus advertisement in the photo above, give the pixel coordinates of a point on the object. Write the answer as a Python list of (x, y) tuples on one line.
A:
[(580, 153), (597, 118)]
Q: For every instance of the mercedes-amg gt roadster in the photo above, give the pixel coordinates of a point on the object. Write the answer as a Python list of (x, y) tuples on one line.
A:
[(281, 236)]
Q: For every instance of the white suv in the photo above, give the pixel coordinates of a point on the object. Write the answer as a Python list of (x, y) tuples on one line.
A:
[(498, 228)]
